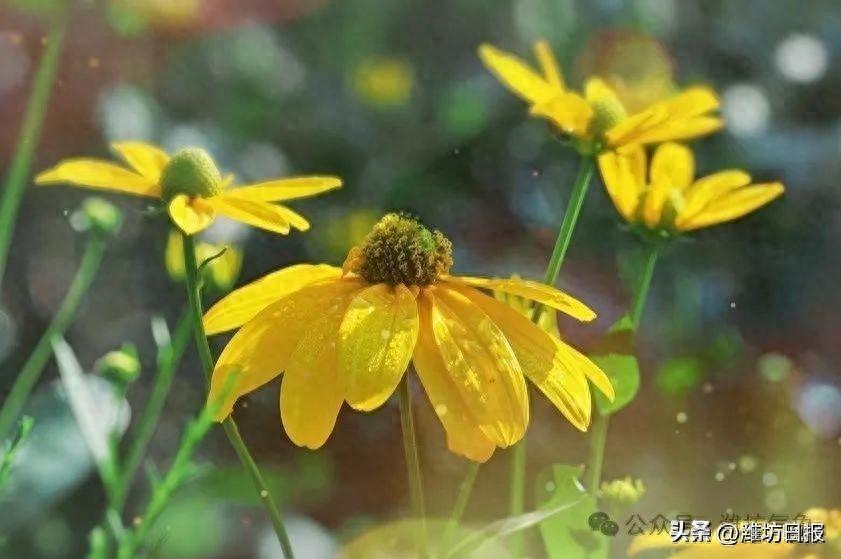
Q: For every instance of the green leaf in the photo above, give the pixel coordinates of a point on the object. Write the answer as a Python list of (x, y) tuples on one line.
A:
[(568, 533), (615, 355)]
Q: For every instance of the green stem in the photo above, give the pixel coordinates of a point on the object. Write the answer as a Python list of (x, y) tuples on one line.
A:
[(553, 270), (30, 133), (149, 419), (464, 492), (410, 449), (231, 430), (598, 431), (34, 366)]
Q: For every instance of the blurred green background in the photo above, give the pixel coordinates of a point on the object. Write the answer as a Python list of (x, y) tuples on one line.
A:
[(740, 408)]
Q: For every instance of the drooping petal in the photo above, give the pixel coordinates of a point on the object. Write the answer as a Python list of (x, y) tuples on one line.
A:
[(243, 304), (623, 173), (566, 110), (516, 74), (482, 364), (544, 359), (311, 391), (549, 65), (376, 341), (94, 173), (592, 371), (734, 205), (673, 164), (285, 189), (532, 290), (191, 215), (706, 190), (463, 434), (257, 214), (144, 158), (263, 348)]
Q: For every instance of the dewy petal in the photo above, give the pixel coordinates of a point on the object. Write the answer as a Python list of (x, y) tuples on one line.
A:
[(191, 215), (515, 74), (482, 364), (311, 391), (707, 189), (285, 189), (144, 158), (94, 173), (734, 205), (463, 434), (257, 214), (568, 111), (243, 304), (534, 291), (549, 65), (376, 341), (623, 174), (673, 164), (263, 348), (544, 359)]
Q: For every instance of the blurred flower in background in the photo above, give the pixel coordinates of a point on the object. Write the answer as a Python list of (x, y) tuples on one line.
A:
[(221, 262), (384, 82)]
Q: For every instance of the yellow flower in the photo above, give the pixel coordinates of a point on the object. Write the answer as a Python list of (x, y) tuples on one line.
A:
[(220, 273), (668, 198), (548, 319), (831, 518), (384, 82), (348, 335), (191, 187), (598, 120)]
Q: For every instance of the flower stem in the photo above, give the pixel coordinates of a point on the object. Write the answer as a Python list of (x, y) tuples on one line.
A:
[(167, 366), (34, 366), (553, 269), (410, 449), (464, 492), (230, 427), (30, 132), (598, 436)]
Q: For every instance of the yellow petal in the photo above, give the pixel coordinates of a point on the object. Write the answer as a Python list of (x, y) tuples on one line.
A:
[(581, 362), (174, 256), (144, 158), (376, 341), (679, 130), (295, 219), (263, 348), (534, 291), (463, 434), (673, 164), (544, 359), (311, 392), (623, 174), (694, 101), (568, 111), (483, 365), (243, 304), (708, 189), (93, 173), (191, 215), (734, 205), (515, 74), (257, 214), (549, 65), (655, 201), (285, 189)]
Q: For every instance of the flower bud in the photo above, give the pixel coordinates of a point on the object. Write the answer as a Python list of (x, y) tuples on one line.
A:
[(122, 367), (97, 215), (623, 491)]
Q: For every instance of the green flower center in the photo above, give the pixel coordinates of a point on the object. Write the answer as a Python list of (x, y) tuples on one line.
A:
[(607, 113), (193, 172), (400, 250)]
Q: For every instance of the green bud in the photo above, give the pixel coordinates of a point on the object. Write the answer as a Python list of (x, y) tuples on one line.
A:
[(97, 215), (193, 172), (623, 491), (120, 366)]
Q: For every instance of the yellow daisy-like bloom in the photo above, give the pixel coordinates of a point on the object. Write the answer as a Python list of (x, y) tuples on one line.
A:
[(668, 198), (831, 518), (348, 335), (191, 187), (597, 119)]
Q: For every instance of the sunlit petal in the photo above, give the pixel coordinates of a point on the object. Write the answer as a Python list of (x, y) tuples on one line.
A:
[(94, 173), (549, 65), (144, 158), (257, 214), (708, 189), (516, 74), (376, 341), (191, 215), (285, 189), (734, 205), (243, 304), (623, 173), (568, 111), (673, 164)]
